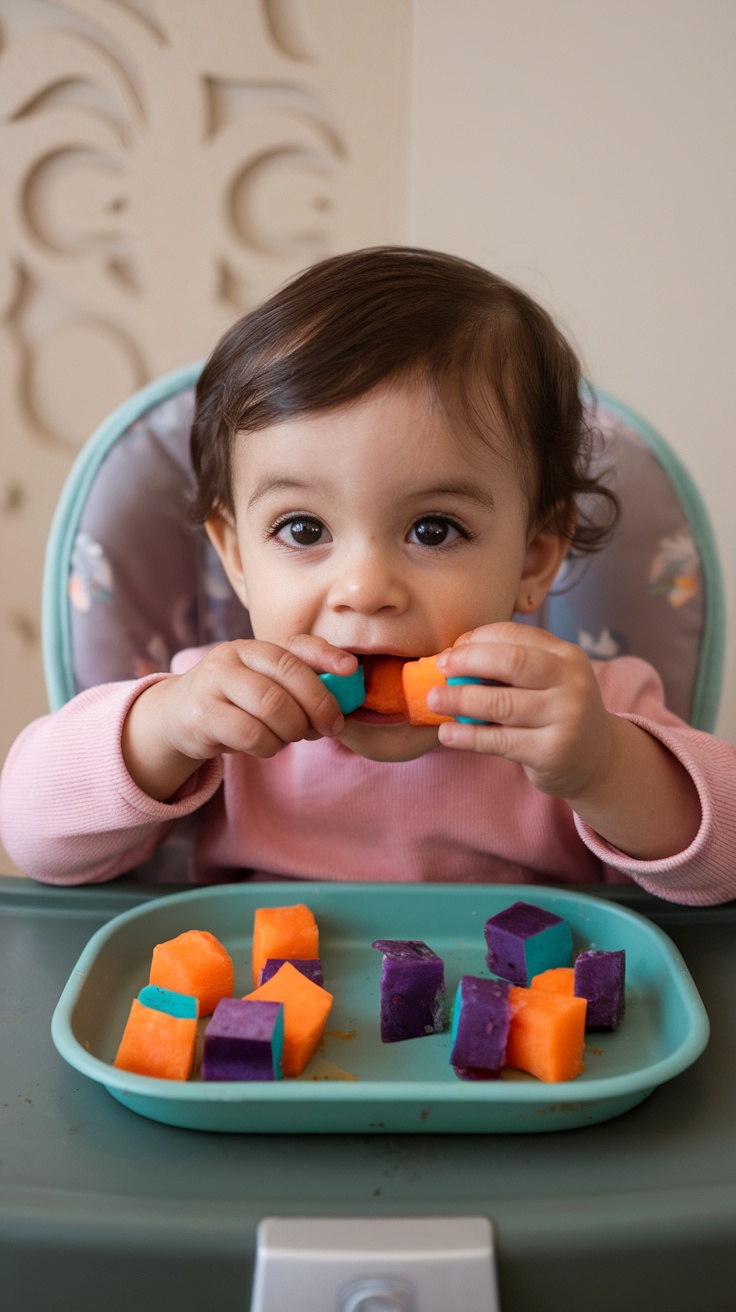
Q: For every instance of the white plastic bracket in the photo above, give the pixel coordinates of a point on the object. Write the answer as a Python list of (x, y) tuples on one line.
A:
[(391, 1264)]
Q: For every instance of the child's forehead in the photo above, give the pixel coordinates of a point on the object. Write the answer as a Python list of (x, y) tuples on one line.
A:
[(403, 422)]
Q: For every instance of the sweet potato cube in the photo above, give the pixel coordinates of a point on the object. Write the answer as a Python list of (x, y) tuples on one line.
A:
[(306, 1008), (560, 979), (480, 1024), (417, 678), (546, 1034), (244, 1041), (312, 969), (197, 963), (286, 932), (158, 1044), (523, 940), (600, 978), (413, 999), (384, 689)]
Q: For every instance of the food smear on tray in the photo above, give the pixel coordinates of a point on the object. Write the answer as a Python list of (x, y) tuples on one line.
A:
[(531, 1015)]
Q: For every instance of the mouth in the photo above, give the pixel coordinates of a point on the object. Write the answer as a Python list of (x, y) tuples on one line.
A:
[(366, 716), (384, 701)]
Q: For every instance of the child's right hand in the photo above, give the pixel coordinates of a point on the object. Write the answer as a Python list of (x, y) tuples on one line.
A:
[(243, 696)]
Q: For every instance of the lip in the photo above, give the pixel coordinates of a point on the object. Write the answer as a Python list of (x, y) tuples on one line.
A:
[(375, 717)]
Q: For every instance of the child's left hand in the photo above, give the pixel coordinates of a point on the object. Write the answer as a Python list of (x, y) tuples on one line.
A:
[(549, 716), (550, 719)]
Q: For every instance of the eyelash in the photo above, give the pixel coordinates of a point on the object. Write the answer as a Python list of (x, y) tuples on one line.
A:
[(274, 529), (463, 532)]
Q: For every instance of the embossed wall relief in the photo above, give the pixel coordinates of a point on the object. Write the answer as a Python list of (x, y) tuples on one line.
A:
[(165, 164)]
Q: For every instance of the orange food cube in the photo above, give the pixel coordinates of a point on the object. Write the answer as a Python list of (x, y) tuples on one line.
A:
[(561, 979), (417, 679), (384, 689), (546, 1034), (306, 1008), (283, 932), (155, 1043), (196, 963)]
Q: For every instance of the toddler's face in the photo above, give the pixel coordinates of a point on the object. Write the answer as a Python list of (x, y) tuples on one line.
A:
[(376, 527)]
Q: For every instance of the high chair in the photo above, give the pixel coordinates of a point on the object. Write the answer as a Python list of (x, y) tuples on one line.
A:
[(128, 584)]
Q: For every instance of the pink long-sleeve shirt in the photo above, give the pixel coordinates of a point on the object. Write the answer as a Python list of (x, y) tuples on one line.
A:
[(71, 814)]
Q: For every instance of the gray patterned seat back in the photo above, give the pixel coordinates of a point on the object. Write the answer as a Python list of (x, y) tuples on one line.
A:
[(128, 583)]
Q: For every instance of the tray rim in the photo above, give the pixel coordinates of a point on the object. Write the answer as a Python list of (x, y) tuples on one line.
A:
[(641, 1080)]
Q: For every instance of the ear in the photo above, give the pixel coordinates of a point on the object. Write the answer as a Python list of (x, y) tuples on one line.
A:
[(544, 556), (221, 532)]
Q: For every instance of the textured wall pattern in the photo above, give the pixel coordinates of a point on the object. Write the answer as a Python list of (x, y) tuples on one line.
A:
[(165, 164)]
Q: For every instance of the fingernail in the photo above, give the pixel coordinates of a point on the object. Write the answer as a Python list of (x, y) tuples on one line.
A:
[(337, 726)]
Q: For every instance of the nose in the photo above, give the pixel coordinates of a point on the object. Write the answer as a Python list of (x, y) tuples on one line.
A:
[(369, 581)]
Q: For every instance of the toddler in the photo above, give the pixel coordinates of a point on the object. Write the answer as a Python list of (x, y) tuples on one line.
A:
[(391, 457)]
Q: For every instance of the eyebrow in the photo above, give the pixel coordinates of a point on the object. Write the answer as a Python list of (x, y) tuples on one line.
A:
[(465, 489), (274, 483)]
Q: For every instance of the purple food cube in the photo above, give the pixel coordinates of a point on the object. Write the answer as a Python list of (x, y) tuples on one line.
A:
[(244, 1040), (413, 999), (312, 968), (524, 940), (600, 977), (480, 1026)]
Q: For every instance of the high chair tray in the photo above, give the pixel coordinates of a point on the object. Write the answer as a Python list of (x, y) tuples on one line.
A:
[(355, 1083)]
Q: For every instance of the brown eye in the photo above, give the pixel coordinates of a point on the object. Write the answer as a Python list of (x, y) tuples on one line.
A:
[(302, 532), (434, 531)]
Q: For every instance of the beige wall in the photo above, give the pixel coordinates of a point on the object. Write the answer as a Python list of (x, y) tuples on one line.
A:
[(165, 164), (586, 150)]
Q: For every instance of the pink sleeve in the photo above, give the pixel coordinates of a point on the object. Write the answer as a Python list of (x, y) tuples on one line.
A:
[(705, 873), (69, 811)]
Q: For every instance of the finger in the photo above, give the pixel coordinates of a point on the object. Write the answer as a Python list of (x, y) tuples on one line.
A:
[(233, 729), (321, 656), (503, 704), (489, 740), (284, 692), (522, 664)]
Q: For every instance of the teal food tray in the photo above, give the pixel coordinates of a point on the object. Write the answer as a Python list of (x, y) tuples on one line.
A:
[(355, 1083)]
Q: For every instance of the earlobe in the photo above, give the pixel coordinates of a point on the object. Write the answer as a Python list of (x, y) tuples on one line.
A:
[(544, 556), (222, 534)]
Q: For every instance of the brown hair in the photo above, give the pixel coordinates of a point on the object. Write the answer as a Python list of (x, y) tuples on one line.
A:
[(391, 314)]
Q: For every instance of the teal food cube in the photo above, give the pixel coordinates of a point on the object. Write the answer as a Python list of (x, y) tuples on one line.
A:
[(347, 689), (182, 1005)]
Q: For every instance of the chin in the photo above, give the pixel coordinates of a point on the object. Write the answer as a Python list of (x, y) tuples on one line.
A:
[(388, 742)]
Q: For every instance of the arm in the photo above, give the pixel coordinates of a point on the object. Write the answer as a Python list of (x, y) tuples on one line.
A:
[(69, 811), (90, 792)]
